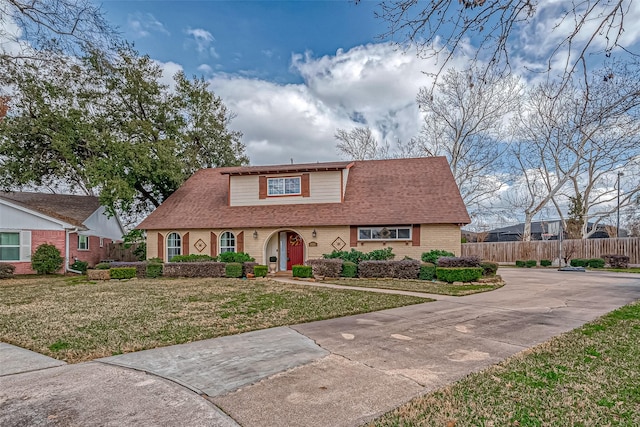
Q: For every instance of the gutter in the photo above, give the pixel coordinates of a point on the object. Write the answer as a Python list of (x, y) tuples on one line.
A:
[(66, 255)]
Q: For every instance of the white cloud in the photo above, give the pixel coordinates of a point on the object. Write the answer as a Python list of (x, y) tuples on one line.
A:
[(203, 40), (373, 85), (169, 69), (143, 24)]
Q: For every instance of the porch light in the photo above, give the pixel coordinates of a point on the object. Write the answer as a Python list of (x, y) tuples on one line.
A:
[(313, 233), (255, 234)]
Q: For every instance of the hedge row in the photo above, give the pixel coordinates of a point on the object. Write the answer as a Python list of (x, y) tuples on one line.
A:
[(327, 267), (458, 274), (591, 263), (403, 269), (194, 269)]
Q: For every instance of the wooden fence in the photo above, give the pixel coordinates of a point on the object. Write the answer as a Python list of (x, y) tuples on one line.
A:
[(117, 252), (506, 252)]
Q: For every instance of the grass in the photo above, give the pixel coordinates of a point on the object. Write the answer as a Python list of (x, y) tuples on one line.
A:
[(621, 270), (440, 288), (75, 320), (587, 377)]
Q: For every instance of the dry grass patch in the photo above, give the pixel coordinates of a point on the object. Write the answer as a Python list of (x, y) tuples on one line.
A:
[(75, 320), (426, 286), (587, 377)]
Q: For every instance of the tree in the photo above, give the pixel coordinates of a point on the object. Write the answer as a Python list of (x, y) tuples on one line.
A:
[(574, 133), (107, 126), (55, 26), (360, 144), (464, 120), (490, 30)]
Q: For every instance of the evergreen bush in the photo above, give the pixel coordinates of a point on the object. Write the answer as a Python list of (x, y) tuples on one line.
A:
[(545, 262), (233, 269), (80, 266), (303, 271), (433, 255), (458, 274), (530, 263), (489, 268), (595, 263), (427, 271), (260, 270), (235, 257), (349, 269), (46, 259), (122, 273)]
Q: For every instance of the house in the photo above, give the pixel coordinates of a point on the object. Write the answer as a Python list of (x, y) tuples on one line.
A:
[(540, 230), (301, 211), (77, 225)]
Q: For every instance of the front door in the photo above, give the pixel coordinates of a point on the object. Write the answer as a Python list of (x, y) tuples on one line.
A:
[(295, 250)]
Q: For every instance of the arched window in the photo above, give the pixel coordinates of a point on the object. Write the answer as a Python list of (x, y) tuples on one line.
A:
[(227, 242), (174, 245)]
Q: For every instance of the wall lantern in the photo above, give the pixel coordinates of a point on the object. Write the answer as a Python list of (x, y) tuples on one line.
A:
[(313, 233), (255, 234)]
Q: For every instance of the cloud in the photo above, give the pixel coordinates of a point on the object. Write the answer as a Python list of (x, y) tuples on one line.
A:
[(169, 69), (373, 85), (143, 24), (203, 40)]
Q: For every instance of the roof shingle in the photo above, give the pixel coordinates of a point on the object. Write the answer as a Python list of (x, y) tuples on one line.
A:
[(65, 207), (378, 192)]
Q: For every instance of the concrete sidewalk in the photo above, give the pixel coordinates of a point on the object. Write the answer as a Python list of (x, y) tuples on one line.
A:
[(339, 372)]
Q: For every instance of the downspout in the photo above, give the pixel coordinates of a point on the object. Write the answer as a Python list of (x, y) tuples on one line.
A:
[(66, 255)]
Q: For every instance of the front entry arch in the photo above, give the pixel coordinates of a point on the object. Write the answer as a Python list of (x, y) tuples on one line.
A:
[(295, 250)]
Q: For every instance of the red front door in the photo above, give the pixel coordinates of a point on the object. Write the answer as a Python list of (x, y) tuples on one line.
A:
[(295, 250)]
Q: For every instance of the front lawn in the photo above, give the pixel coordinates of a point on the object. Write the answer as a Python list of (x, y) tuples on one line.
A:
[(74, 320), (424, 286), (587, 377)]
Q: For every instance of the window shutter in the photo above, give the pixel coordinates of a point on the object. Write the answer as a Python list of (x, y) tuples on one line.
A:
[(161, 246), (25, 245), (262, 183), (240, 242), (214, 244), (304, 184), (185, 244), (415, 235), (353, 237)]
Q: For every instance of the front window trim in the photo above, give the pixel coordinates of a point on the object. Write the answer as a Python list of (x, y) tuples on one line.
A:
[(284, 186), (3, 247), (83, 242), (174, 245), (383, 233), (228, 242)]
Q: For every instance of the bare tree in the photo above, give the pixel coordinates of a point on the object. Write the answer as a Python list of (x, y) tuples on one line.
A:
[(30, 26), (360, 144), (490, 30), (465, 121), (570, 139)]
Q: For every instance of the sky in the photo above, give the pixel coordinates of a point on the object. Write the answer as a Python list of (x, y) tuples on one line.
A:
[(292, 72)]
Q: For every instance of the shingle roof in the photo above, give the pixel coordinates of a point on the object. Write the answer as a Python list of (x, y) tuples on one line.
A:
[(378, 192), (65, 207), (302, 167)]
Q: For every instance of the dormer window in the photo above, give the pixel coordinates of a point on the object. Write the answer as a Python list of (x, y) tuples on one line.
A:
[(287, 186)]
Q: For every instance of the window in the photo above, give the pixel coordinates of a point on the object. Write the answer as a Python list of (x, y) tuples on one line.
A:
[(102, 242), (384, 233), (83, 242), (227, 242), (9, 246), (283, 186), (174, 245)]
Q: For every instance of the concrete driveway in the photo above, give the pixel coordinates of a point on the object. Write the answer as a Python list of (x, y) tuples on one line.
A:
[(339, 372)]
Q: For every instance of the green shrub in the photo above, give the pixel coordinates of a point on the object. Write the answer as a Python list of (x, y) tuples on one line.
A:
[(155, 260), (302, 271), (545, 262), (578, 262), (80, 266), (46, 259), (235, 257), (357, 256), (489, 268), (6, 270), (154, 270), (595, 263), (427, 271), (123, 272), (103, 266), (349, 269), (192, 258), (140, 266), (520, 263), (530, 263), (380, 254), (260, 270), (458, 274), (233, 269), (433, 255)]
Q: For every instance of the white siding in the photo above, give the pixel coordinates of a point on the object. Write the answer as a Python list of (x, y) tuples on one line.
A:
[(13, 218), (99, 224), (324, 187)]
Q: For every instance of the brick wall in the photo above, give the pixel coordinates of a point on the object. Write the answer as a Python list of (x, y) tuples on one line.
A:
[(93, 255), (38, 237)]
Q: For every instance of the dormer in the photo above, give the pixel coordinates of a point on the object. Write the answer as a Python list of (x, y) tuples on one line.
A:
[(288, 184)]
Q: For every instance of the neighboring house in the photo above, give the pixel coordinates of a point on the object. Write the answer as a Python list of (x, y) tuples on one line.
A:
[(301, 211), (77, 225), (541, 230)]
